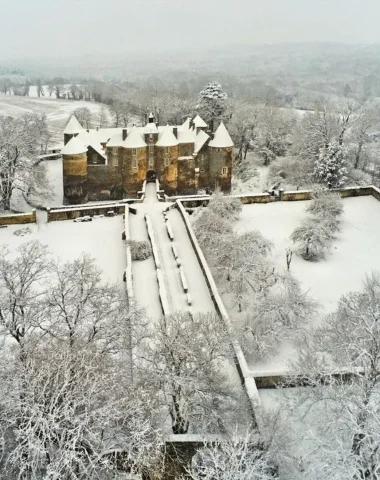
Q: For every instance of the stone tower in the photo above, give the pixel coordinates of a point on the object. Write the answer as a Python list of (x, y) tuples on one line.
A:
[(74, 163)]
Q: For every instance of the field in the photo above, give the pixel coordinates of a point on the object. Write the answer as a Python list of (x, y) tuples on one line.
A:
[(353, 254), (57, 111)]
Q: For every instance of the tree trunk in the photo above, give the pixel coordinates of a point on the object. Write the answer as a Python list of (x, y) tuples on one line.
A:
[(358, 153)]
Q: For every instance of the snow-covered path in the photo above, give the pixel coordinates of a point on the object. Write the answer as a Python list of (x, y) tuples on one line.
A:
[(146, 289)]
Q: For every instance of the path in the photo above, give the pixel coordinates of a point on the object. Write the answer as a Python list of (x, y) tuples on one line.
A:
[(201, 300)]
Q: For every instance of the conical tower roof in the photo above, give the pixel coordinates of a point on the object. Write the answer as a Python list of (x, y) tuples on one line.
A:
[(199, 122), (221, 138), (134, 139), (167, 138), (73, 126), (74, 147)]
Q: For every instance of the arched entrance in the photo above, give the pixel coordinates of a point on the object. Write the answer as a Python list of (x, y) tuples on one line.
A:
[(151, 176)]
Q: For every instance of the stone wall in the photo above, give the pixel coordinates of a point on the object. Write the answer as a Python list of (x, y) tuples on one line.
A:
[(72, 213), (376, 193), (167, 175), (244, 199), (18, 218)]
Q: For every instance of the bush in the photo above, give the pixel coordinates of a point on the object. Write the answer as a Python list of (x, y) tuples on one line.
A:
[(140, 249), (324, 203), (313, 237), (225, 207)]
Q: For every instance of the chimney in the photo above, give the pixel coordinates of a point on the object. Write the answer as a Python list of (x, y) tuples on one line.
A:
[(124, 133), (175, 131), (151, 118)]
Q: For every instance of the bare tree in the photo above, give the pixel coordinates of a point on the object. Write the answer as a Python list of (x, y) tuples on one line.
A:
[(233, 459), (184, 360), (84, 116), (339, 364)]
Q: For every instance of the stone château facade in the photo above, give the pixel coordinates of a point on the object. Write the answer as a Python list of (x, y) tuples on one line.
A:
[(112, 163)]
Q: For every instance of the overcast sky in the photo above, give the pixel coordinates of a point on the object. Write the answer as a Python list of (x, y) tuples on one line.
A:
[(46, 28)]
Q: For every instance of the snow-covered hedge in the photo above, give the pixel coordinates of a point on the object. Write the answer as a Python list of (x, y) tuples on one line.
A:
[(170, 230), (162, 292), (183, 280), (152, 241), (140, 249), (128, 270)]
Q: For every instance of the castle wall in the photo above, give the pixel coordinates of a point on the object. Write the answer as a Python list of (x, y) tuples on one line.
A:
[(220, 158), (167, 175), (186, 183), (75, 178), (133, 178)]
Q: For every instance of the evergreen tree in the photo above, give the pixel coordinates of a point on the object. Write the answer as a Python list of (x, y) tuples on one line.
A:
[(330, 166), (212, 103)]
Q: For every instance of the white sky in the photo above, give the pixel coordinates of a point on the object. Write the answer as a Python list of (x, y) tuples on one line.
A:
[(41, 28)]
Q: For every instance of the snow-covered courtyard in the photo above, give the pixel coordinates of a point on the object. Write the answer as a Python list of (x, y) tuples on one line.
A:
[(67, 240), (353, 255)]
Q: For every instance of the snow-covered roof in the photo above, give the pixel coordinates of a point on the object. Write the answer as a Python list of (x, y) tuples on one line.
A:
[(135, 138), (221, 138), (199, 122), (73, 126), (150, 128), (167, 138), (185, 125), (200, 140), (74, 147), (116, 140), (186, 135)]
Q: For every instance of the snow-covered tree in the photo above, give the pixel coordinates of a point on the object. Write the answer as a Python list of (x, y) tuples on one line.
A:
[(233, 459), (212, 104), (224, 206), (183, 361), (330, 166), (21, 277), (340, 363), (72, 414), (325, 202), (313, 237), (20, 143), (84, 116)]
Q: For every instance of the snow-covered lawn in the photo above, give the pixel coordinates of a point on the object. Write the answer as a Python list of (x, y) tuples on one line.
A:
[(354, 253), (100, 238), (57, 111)]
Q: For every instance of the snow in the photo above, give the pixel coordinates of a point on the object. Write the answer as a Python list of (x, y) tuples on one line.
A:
[(199, 122), (74, 146), (221, 138), (186, 135), (134, 139), (200, 140), (100, 238), (73, 126), (353, 255), (57, 111), (167, 138), (150, 128)]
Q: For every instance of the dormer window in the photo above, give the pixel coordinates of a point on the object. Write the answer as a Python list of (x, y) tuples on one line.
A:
[(224, 171)]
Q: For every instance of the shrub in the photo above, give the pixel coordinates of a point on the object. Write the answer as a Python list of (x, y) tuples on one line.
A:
[(225, 207), (140, 249), (325, 202)]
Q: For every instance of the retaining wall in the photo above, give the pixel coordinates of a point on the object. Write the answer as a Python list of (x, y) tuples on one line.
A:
[(128, 270), (54, 215), (18, 218), (240, 361)]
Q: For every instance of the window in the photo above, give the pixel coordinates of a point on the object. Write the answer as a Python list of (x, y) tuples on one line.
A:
[(151, 137), (166, 150), (224, 171), (151, 149), (202, 170), (134, 163), (201, 159), (151, 162), (95, 158), (166, 161), (134, 152), (175, 174), (115, 159)]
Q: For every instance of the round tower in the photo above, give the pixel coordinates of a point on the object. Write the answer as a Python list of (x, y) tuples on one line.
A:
[(74, 163)]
